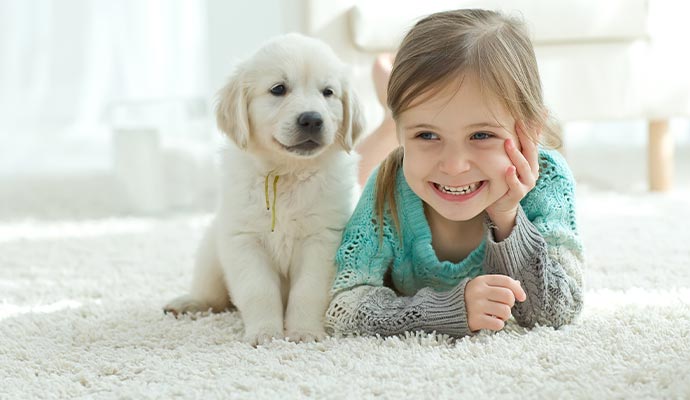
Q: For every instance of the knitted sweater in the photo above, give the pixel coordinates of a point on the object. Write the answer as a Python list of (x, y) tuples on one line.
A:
[(543, 252)]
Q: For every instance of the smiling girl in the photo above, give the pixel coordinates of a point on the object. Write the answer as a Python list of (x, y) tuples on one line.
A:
[(471, 220)]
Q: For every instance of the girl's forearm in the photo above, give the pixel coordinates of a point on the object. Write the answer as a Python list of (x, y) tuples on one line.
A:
[(378, 310), (551, 276)]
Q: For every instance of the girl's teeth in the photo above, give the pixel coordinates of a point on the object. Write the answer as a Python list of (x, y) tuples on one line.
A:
[(457, 190)]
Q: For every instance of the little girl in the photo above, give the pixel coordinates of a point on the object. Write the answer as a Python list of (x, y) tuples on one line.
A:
[(469, 221)]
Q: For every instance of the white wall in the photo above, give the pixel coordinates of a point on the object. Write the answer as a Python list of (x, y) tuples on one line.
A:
[(237, 28), (230, 30), (79, 57)]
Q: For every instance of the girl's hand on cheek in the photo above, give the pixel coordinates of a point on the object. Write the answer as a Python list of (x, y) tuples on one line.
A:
[(521, 177)]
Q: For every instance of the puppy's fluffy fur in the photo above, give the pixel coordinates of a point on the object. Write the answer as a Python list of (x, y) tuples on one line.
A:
[(293, 119)]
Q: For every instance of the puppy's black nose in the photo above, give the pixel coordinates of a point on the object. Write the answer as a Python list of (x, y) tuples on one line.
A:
[(310, 121)]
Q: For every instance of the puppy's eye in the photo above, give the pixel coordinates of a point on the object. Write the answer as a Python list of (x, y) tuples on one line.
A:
[(278, 90), (328, 92)]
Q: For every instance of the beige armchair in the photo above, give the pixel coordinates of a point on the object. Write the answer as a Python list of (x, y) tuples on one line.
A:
[(599, 60)]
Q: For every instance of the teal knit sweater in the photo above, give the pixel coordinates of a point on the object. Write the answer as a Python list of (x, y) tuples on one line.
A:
[(543, 251)]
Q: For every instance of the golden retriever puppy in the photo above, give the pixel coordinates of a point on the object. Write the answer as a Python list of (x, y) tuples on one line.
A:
[(288, 187)]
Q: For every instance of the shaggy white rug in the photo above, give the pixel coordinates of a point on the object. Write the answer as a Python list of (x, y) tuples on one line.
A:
[(80, 316)]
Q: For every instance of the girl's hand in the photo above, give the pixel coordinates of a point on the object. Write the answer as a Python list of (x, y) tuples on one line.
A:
[(521, 177), (489, 299)]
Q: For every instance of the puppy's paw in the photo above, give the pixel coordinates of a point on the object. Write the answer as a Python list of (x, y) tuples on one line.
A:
[(306, 336), (185, 305), (260, 338)]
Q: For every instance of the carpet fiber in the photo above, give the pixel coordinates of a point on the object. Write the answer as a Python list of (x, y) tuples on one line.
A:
[(80, 316)]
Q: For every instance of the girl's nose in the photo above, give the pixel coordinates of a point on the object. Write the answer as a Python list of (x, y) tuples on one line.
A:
[(454, 161)]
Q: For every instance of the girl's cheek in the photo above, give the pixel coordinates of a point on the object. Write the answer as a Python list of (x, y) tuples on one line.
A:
[(496, 158)]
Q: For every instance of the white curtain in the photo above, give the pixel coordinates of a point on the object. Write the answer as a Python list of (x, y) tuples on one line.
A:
[(71, 71)]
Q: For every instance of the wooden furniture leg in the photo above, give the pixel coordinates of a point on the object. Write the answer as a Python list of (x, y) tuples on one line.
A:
[(660, 156)]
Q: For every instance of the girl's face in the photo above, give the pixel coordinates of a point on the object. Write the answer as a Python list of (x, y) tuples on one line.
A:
[(455, 159)]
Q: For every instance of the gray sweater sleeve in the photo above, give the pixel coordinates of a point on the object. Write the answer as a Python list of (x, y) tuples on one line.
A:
[(371, 310), (550, 275)]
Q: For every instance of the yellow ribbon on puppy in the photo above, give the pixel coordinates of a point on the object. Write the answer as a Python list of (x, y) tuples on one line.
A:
[(273, 209)]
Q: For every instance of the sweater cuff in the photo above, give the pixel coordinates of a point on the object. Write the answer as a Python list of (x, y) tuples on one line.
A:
[(445, 311), (509, 256)]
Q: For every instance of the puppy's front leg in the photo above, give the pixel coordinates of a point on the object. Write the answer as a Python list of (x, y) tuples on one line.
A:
[(254, 286), (311, 276)]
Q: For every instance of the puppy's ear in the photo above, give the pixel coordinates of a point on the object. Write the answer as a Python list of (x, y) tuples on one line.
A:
[(353, 119), (232, 110)]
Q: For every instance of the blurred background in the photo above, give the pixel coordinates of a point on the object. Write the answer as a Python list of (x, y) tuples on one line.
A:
[(106, 107)]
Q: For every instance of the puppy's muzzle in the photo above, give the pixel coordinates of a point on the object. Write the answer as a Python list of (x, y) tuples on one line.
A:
[(310, 128), (310, 123)]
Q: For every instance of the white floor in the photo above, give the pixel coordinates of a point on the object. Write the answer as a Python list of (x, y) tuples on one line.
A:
[(80, 316)]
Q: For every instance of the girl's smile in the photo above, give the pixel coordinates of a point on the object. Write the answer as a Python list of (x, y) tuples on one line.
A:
[(458, 193)]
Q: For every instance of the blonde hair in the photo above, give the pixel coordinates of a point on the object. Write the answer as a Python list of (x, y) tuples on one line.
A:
[(441, 47)]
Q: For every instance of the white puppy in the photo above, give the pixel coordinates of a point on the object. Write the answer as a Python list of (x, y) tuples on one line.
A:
[(288, 188)]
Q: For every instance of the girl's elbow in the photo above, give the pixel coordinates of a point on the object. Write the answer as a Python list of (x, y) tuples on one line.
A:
[(555, 316), (566, 315)]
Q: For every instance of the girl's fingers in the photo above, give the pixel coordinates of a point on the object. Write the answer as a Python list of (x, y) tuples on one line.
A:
[(502, 295), (529, 148), (505, 281), (498, 310), (520, 294), (524, 170), (512, 179), (516, 188), (518, 159), (491, 323)]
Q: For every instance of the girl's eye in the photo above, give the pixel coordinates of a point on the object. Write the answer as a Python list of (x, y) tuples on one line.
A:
[(481, 136), (328, 92), (278, 90), (427, 136)]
